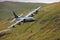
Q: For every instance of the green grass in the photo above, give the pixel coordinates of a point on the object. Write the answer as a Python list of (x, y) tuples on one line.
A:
[(6, 8), (45, 27)]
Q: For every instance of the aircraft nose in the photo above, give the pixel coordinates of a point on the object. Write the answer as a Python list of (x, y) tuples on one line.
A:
[(33, 19)]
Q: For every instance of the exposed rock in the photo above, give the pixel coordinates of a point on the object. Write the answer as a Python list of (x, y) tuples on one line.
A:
[(4, 32)]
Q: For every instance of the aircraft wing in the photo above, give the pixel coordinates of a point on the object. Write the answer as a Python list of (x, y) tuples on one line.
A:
[(33, 12), (13, 25), (12, 20)]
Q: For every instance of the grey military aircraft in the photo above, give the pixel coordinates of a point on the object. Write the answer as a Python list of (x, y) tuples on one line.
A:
[(27, 18)]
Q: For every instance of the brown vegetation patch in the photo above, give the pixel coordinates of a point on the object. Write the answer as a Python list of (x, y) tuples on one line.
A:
[(44, 21), (5, 32)]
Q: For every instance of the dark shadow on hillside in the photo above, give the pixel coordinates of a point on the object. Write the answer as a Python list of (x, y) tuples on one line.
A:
[(4, 34)]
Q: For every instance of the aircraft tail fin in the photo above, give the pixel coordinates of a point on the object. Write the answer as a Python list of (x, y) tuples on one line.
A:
[(15, 15)]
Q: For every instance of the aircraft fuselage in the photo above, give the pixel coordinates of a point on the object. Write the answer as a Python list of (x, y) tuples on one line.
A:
[(29, 19)]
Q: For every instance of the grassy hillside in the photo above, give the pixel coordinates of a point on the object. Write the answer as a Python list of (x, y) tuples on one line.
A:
[(46, 26), (6, 8)]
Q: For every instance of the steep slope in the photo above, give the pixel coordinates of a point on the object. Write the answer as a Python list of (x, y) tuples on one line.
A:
[(6, 9), (46, 26)]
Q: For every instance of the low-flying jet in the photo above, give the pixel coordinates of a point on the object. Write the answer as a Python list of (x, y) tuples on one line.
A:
[(27, 18)]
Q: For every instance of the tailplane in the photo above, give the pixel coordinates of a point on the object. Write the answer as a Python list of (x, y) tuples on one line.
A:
[(15, 15)]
